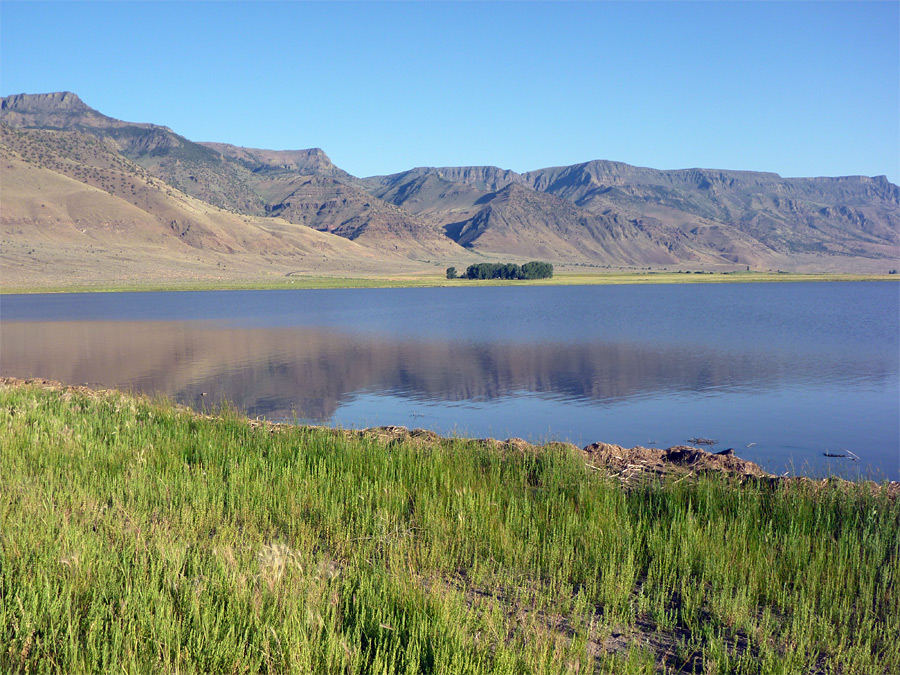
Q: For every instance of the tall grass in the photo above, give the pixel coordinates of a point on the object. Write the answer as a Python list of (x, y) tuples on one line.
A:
[(137, 537)]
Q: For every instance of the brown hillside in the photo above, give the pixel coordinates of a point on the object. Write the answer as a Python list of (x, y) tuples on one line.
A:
[(847, 216), (312, 161), (526, 223), (74, 209), (329, 205), (230, 200)]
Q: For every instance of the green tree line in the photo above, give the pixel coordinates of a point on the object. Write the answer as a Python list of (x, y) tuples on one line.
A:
[(530, 270)]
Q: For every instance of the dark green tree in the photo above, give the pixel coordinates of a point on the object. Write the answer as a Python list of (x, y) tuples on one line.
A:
[(537, 270), (531, 270)]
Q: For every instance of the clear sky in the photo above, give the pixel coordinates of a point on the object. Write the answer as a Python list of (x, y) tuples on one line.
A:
[(798, 88)]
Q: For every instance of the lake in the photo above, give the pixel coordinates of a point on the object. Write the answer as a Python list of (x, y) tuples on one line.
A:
[(780, 372)]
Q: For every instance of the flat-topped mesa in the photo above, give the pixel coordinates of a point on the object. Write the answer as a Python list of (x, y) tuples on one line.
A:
[(487, 178), (310, 160), (56, 101), (60, 110)]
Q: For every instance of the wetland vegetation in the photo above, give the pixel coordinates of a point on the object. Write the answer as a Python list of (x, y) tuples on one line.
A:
[(138, 536)]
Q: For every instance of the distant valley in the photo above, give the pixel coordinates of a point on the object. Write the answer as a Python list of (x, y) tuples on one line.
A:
[(86, 197)]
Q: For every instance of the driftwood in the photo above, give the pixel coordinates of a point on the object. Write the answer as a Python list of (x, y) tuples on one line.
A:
[(846, 453)]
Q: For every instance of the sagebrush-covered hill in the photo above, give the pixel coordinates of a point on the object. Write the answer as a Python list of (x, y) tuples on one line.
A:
[(75, 178)]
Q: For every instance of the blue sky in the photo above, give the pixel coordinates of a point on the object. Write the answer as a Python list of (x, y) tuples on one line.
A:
[(798, 88)]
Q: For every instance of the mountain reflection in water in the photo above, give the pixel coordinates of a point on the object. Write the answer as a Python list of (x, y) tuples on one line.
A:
[(781, 372), (309, 373)]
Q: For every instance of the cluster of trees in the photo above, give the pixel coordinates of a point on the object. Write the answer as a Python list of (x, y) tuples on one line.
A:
[(530, 270)]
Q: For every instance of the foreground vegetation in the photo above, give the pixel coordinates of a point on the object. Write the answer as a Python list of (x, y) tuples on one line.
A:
[(136, 537), (439, 280)]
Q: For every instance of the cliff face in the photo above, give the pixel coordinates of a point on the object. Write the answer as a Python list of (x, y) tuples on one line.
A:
[(312, 161), (532, 224), (598, 212), (695, 215), (59, 110), (57, 103), (851, 215)]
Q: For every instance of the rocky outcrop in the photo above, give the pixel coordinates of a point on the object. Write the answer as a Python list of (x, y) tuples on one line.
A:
[(520, 221), (694, 215), (58, 102), (485, 178), (312, 161), (59, 110)]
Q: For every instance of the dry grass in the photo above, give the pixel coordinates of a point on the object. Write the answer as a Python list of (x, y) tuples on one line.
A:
[(150, 273)]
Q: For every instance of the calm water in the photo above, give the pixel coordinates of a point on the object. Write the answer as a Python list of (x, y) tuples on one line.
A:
[(790, 370)]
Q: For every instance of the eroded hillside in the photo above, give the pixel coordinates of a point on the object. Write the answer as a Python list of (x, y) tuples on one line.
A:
[(70, 172)]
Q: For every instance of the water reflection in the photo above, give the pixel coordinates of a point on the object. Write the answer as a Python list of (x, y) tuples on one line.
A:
[(311, 372), (794, 369)]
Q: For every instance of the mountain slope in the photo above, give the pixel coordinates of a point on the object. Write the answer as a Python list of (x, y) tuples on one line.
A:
[(532, 224), (443, 195), (74, 208), (190, 167), (702, 216), (333, 206), (853, 215), (309, 162), (213, 195), (302, 186)]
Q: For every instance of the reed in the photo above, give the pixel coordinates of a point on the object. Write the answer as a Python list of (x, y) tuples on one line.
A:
[(136, 536)]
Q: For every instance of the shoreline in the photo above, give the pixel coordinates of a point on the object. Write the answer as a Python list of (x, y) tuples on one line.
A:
[(311, 282), (628, 466), (331, 551)]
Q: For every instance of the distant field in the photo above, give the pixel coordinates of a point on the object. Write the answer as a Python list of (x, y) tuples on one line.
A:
[(439, 280), (138, 537)]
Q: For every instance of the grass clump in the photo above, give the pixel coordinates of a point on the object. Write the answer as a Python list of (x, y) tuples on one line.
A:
[(139, 537)]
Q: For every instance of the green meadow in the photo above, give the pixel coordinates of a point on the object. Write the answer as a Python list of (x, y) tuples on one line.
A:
[(432, 280), (139, 537)]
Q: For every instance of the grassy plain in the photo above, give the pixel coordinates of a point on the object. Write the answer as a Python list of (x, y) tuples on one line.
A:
[(426, 280), (139, 537)]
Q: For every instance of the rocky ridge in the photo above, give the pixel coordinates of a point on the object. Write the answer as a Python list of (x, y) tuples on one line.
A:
[(601, 213)]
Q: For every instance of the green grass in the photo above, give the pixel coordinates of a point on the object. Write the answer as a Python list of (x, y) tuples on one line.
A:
[(135, 537), (439, 280)]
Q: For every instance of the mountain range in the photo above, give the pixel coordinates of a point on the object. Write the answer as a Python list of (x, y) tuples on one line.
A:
[(87, 196)]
